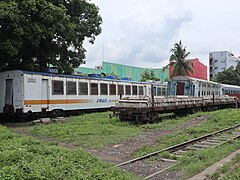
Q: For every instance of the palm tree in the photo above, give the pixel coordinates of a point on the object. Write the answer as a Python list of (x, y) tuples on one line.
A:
[(178, 60)]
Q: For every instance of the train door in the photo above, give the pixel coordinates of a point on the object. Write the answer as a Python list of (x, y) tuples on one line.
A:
[(44, 94), (9, 93), (180, 88)]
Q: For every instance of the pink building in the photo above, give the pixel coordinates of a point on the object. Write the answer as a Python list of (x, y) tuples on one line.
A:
[(200, 70)]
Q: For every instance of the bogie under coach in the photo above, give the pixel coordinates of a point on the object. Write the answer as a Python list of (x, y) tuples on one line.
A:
[(24, 93)]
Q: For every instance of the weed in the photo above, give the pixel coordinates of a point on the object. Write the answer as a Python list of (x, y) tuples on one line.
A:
[(26, 158)]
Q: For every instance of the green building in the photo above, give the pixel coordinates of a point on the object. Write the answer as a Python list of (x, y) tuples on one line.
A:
[(121, 70)]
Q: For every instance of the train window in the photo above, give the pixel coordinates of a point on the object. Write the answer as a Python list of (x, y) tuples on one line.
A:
[(134, 90), (163, 91), (120, 90), (94, 89), (83, 88), (112, 89), (71, 88), (57, 87), (159, 91), (141, 90), (103, 89), (128, 89)]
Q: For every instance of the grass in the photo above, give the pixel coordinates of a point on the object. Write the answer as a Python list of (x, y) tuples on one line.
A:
[(169, 121), (26, 158), (201, 160), (97, 130), (229, 171), (89, 130), (217, 120)]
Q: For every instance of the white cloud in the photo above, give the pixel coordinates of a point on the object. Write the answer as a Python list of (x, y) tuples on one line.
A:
[(147, 34), (142, 32)]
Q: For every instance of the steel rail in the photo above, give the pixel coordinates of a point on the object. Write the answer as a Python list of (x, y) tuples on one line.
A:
[(177, 146), (171, 166)]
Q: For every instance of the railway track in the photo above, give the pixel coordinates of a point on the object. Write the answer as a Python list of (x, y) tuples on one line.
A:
[(212, 140)]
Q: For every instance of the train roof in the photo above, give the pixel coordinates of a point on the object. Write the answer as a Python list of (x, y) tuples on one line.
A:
[(184, 78), (230, 86), (81, 77)]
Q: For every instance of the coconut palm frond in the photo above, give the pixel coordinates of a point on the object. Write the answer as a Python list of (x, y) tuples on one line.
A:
[(178, 56)]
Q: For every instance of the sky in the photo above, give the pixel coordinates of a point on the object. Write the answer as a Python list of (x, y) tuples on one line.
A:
[(142, 32)]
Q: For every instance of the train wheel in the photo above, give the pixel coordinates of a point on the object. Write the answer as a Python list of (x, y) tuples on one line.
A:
[(152, 117), (58, 113)]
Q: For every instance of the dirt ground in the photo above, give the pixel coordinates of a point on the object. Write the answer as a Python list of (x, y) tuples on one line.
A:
[(117, 153)]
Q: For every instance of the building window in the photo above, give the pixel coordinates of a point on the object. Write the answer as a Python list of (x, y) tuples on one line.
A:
[(128, 89), (120, 90), (103, 89), (112, 89), (94, 89), (134, 90), (71, 88), (57, 87), (83, 88)]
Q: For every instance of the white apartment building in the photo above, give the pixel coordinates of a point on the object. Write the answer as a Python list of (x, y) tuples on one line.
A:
[(221, 60)]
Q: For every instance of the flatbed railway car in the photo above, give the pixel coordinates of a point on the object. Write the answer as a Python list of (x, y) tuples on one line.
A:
[(38, 94), (185, 95), (148, 109)]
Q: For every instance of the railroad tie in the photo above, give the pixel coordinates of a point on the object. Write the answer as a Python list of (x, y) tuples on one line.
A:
[(168, 160), (209, 143), (179, 152), (236, 133), (214, 141), (226, 136), (194, 148), (201, 146), (219, 138)]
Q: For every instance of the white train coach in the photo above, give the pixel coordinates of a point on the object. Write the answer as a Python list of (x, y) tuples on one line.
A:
[(39, 93)]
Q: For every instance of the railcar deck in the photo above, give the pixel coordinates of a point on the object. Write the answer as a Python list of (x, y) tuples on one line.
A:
[(148, 110)]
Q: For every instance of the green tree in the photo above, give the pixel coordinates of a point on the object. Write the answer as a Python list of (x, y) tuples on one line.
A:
[(149, 76), (35, 33), (178, 60), (229, 76)]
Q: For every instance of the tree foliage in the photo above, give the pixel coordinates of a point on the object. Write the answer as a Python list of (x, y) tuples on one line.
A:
[(35, 33), (149, 76), (178, 60), (229, 76)]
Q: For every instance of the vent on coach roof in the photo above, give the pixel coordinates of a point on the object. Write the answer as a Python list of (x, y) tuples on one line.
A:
[(111, 77), (126, 78), (95, 75), (51, 70)]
